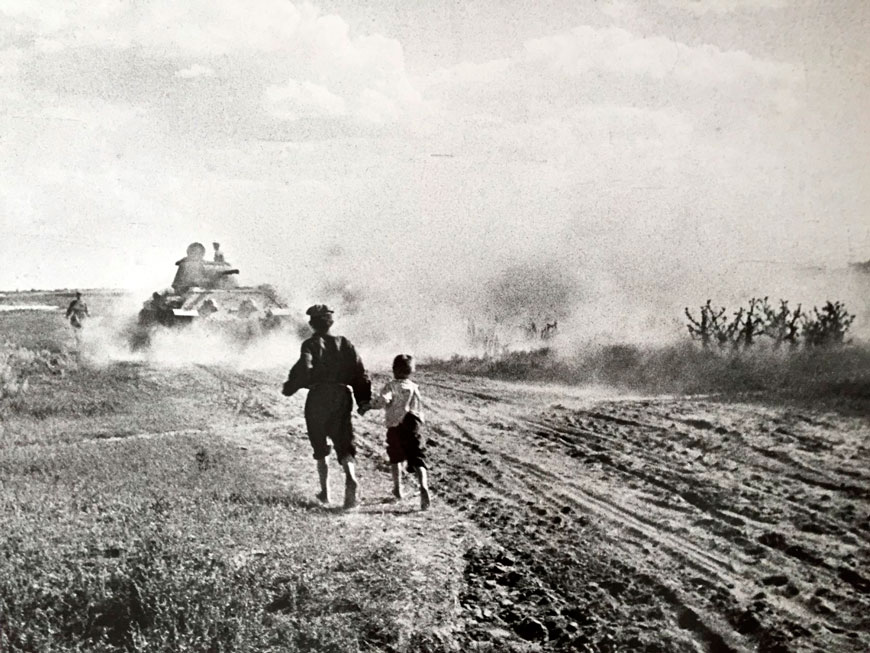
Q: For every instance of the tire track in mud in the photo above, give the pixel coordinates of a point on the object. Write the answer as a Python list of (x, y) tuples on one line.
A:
[(820, 568), (558, 527), (726, 599), (549, 489), (759, 464)]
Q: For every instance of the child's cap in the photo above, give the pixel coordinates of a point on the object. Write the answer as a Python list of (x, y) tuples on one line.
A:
[(403, 365)]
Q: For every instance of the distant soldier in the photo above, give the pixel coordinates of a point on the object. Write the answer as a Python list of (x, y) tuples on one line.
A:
[(327, 365), (77, 312), (218, 254)]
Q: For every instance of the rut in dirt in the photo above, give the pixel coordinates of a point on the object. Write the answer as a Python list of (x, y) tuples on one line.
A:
[(652, 525)]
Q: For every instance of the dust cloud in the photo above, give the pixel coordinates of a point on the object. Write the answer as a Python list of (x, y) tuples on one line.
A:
[(432, 309), (398, 297), (428, 258)]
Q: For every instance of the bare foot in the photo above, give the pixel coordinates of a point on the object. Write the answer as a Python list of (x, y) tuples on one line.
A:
[(350, 501), (425, 498)]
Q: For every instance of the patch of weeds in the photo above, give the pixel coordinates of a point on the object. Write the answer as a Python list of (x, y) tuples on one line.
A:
[(136, 546)]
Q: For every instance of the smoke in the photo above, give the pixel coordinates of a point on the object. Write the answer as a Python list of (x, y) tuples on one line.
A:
[(411, 252), (396, 296)]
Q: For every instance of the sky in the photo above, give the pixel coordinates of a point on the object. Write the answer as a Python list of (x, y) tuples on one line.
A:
[(417, 159)]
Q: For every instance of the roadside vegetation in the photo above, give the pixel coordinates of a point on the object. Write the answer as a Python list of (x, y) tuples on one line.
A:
[(172, 544), (759, 322), (758, 348)]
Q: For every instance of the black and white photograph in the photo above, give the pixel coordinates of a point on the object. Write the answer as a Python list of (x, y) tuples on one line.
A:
[(436, 326)]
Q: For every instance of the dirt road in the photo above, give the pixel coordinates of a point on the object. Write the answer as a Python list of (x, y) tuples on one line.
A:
[(601, 523), (659, 524)]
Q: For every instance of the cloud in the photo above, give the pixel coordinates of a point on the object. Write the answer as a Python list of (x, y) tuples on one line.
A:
[(298, 61), (629, 165), (294, 100), (196, 70), (550, 77), (724, 6), (10, 62), (586, 49)]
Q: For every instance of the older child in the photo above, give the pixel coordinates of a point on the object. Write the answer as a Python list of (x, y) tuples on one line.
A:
[(404, 416)]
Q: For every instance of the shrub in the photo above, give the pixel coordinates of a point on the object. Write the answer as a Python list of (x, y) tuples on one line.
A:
[(783, 325), (828, 327), (842, 372), (19, 364)]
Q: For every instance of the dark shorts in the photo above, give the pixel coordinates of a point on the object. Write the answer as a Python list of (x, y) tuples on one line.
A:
[(327, 415), (404, 443)]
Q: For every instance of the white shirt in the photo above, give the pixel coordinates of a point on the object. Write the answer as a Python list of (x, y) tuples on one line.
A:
[(399, 397)]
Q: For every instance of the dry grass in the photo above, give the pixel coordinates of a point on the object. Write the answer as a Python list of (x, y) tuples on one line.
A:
[(842, 372), (173, 544)]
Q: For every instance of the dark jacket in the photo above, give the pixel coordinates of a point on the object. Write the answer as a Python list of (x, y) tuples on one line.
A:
[(327, 359), (77, 311)]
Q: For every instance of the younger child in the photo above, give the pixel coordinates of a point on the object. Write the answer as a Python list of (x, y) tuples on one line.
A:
[(404, 415)]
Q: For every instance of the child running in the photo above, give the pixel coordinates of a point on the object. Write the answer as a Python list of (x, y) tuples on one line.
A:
[(404, 415)]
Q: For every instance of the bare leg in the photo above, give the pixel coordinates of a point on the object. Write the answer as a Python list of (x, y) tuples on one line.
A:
[(323, 473), (423, 479), (397, 480), (350, 482)]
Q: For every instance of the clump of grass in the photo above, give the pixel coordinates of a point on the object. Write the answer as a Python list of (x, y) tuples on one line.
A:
[(175, 544), (18, 364)]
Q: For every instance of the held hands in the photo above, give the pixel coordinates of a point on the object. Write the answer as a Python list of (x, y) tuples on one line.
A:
[(287, 390)]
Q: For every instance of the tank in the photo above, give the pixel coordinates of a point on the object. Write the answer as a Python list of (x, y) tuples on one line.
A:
[(207, 292)]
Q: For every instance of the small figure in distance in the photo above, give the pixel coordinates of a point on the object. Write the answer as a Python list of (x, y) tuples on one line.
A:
[(403, 405), (77, 313), (218, 254), (327, 365)]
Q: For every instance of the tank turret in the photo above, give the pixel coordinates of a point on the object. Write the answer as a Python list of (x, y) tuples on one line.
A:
[(195, 272)]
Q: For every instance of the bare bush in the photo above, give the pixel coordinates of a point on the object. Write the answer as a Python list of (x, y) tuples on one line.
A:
[(749, 323), (485, 339), (12, 380), (708, 325), (18, 364), (783, 324), (828, 327)]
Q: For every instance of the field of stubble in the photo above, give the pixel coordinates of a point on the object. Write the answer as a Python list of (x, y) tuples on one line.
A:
[(148, 508)]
